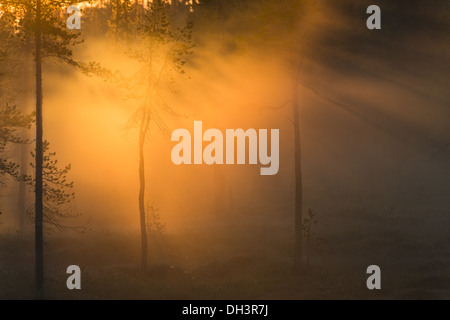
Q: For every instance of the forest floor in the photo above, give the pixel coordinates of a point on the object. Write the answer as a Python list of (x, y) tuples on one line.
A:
[(230, 260)]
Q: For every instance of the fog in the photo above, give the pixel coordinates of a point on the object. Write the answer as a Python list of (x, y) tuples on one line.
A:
[(374, 113)]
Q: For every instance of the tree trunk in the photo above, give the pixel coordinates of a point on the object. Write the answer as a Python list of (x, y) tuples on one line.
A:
[(142, 134), (21, 199), (39, 252), (298, 181), (308, 254)]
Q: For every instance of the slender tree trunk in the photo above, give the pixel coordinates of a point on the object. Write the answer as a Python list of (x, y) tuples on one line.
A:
[(309, 247), (298, 181), (39, 252), (143, 129), (142, 134), (21, 200)]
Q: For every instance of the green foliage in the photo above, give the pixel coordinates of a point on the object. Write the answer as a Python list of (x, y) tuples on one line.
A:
[(57, 194), (165, 42), (310, 236), (122, 19), (57, 40), (12, 59), (308, 222), (153, 220), (11, 120), (25, 26), (92, 68)]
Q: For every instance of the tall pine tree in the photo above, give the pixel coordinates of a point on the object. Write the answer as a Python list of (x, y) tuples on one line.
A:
[(43, 23)]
